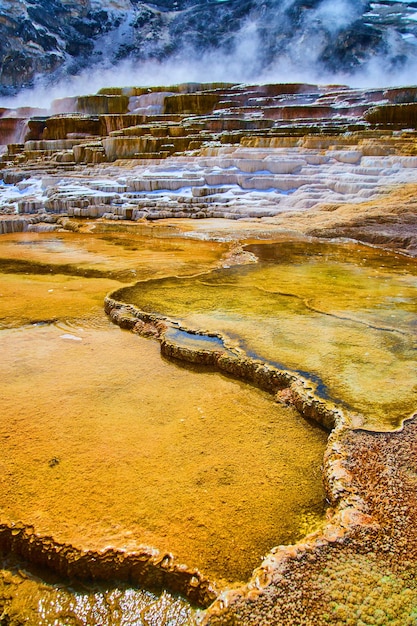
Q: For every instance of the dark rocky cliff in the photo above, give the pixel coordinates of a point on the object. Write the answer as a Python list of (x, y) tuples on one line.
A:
[(56, 38)]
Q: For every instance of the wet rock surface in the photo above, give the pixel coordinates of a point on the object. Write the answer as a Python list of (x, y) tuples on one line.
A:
[(26, 596), (146, 568)]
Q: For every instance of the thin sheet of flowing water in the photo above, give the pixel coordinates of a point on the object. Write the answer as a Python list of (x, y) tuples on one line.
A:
[(342, 315)]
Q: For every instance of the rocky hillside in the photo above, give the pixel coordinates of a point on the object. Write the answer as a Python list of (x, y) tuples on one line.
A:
[(57, 38)]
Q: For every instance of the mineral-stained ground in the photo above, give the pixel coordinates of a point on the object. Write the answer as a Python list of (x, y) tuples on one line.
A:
[(228, 164)]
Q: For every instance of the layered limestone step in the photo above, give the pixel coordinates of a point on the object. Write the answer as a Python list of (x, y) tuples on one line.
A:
[(129, 147), (128, 123), (12, 130), (217, 150), (224, 181), (399, 115), (60, 126), (292, 98)]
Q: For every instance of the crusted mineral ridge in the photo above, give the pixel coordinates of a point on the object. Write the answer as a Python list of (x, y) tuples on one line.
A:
[(146, 567)]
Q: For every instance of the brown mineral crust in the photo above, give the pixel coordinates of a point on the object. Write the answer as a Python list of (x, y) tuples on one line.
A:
[(123, 319), (394, 236), (145, 567), (154, 330), (403, 115), (59, 126), (401, 95), (182, 88), (312, 407), (295, 597), (297, 112), (11, 129), (64, 105), (36, 128), (218, 125), (369, 543), (262, 375), (202, 357), (112, 123), (237, 255), (12, 225), (196, 103), (102, 104), (134, 145), (127, 312), (280, 89), (387, 481), (389, 220)]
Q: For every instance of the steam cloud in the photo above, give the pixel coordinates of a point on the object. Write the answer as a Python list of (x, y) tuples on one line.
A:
[(297, 45)]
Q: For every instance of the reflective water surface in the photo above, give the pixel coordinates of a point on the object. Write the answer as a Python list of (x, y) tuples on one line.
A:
[(26, 598), (105, 443), (66, 275), (342, 315)]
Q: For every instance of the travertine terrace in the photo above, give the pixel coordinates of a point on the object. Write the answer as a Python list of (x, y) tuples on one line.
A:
[(236, 163), (205, 151)]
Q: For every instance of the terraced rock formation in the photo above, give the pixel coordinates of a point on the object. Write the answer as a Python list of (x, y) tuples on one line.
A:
[(207, 151)]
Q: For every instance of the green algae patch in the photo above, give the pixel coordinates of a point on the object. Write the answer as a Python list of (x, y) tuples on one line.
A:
[(341, 315), (362, 589)]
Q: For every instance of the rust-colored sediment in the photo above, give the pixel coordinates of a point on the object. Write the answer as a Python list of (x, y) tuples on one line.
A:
[(362, 569)]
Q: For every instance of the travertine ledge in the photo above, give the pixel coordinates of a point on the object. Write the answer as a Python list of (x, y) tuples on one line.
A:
[(146, 567)]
